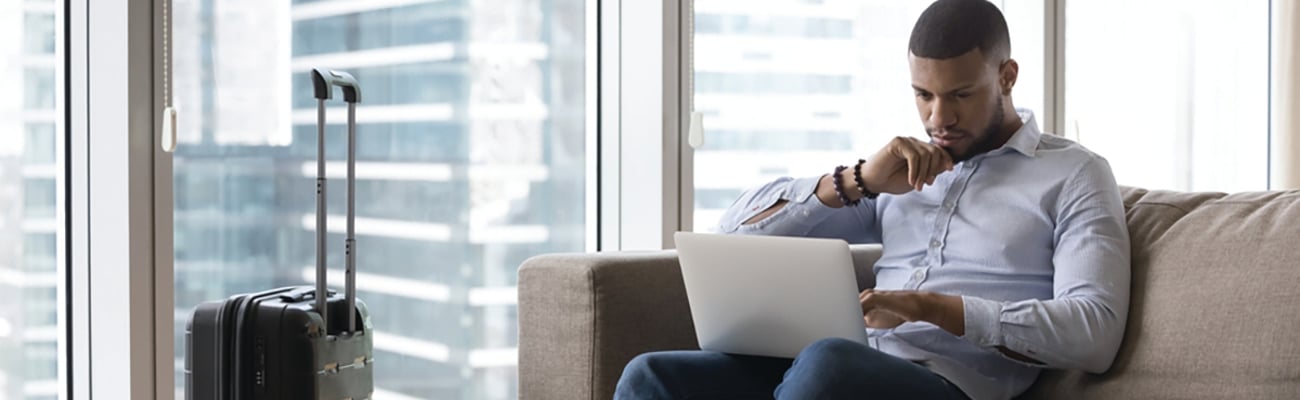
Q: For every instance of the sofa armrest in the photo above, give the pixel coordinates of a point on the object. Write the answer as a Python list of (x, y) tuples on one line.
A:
[(582, 317)]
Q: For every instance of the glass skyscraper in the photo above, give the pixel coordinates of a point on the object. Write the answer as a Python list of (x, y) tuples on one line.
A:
[(29, 175)]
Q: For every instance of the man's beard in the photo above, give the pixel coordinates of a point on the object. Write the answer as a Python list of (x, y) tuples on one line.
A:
[(989, 141)]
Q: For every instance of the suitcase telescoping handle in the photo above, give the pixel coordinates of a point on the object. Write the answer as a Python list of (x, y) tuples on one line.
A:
[(323, 81)]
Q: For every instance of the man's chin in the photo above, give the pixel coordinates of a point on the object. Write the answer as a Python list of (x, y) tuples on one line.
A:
[(957, 154)]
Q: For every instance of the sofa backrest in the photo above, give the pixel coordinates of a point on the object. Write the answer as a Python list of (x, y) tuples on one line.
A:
[(1215, 310)]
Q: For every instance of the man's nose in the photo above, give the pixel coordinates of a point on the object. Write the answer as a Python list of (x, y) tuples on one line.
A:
[(942, 114)]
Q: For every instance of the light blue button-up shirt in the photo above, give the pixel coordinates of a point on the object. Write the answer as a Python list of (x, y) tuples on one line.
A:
[(1032, 236)]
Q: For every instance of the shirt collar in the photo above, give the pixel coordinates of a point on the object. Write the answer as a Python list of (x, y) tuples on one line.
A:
[(1025, 140)]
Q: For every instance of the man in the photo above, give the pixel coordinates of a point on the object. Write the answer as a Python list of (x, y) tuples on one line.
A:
[(1005, 249)]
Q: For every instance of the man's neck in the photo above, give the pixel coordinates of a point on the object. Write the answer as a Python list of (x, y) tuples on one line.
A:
[(1011, 123)]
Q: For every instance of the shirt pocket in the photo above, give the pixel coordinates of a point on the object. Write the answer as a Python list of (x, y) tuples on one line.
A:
[(749, 205)]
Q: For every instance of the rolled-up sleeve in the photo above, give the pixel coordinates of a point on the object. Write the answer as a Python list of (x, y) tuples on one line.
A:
[(803, 214), (1082, 326)]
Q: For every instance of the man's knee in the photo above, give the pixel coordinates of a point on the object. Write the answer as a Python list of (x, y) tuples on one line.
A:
[(639, 379), (641, 366), (835, 357), (655, 365), (831, 349)]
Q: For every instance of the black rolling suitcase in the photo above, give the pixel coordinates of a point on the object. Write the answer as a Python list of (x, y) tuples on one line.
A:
[(290, 343)]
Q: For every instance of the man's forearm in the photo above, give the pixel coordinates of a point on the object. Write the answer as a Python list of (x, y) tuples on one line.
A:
[(825, 192)]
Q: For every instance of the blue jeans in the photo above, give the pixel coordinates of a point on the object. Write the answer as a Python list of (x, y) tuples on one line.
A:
[(827, 369)]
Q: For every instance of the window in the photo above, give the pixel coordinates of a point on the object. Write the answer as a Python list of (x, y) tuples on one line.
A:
[(740, 24), (38, 88), (37, 247), (471, 151), (39, 144), (421, 24), (1174, 97), (771, 83), (796, 87), (29, 178), (39, 197), (38, 32)]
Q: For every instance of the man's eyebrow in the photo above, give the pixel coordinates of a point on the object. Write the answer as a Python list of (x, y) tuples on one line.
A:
[(962, 88)]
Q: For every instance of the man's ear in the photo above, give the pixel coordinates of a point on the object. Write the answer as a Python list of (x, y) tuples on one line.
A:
[(1007, 74)]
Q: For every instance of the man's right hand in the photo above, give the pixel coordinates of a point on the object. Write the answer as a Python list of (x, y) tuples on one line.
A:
[(904, 165)]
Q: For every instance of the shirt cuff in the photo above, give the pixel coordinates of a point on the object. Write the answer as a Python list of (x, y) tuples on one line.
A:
[(801, 189), (806, 204), (983, 321)]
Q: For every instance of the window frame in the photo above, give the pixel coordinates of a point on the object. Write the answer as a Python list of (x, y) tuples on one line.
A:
[(110, 241), (646, 174)]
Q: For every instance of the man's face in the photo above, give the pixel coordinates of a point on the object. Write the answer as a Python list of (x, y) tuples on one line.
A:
[(960, 102)]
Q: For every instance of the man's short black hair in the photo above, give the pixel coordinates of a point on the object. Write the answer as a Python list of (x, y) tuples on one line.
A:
[(950, 28)]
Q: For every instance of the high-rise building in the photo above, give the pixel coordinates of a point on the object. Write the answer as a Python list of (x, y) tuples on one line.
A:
[(792, 89), (28, 179), (470, 159)]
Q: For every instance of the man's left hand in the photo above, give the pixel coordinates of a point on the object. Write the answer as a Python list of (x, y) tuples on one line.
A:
[(884, 309)]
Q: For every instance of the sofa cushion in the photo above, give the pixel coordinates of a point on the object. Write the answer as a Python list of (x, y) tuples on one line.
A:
[(1215, 310)]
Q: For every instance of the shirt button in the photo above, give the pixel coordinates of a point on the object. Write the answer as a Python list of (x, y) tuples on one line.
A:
[(918, 275), (804, 213), (935, 244), (949, 205)]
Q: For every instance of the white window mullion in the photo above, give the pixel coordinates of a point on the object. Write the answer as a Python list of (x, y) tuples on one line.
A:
[(591, 113), (1054, 67), (1284, 81), (78, 314), (650, 123), (610, 187), (119, 207)]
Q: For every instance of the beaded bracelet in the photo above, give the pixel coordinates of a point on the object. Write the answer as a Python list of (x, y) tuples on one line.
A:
[(857, 178), (837, 180)]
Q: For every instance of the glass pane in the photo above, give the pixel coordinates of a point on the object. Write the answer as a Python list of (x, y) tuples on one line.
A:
[(796, 87), (471, 152), (30, 175), (1174, 97)]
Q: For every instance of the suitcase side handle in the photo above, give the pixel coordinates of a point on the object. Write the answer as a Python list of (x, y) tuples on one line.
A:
[(303, 293)]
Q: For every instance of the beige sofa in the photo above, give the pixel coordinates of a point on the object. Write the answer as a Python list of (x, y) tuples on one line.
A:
[(1215, 312)]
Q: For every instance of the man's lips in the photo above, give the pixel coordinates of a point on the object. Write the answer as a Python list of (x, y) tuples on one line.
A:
[(947, 140)]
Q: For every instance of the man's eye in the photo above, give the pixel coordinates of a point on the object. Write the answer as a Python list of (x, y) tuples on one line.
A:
[(923, 96), (963, 95)]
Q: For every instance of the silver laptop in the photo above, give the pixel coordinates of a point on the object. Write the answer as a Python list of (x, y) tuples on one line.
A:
[(769, 295)]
